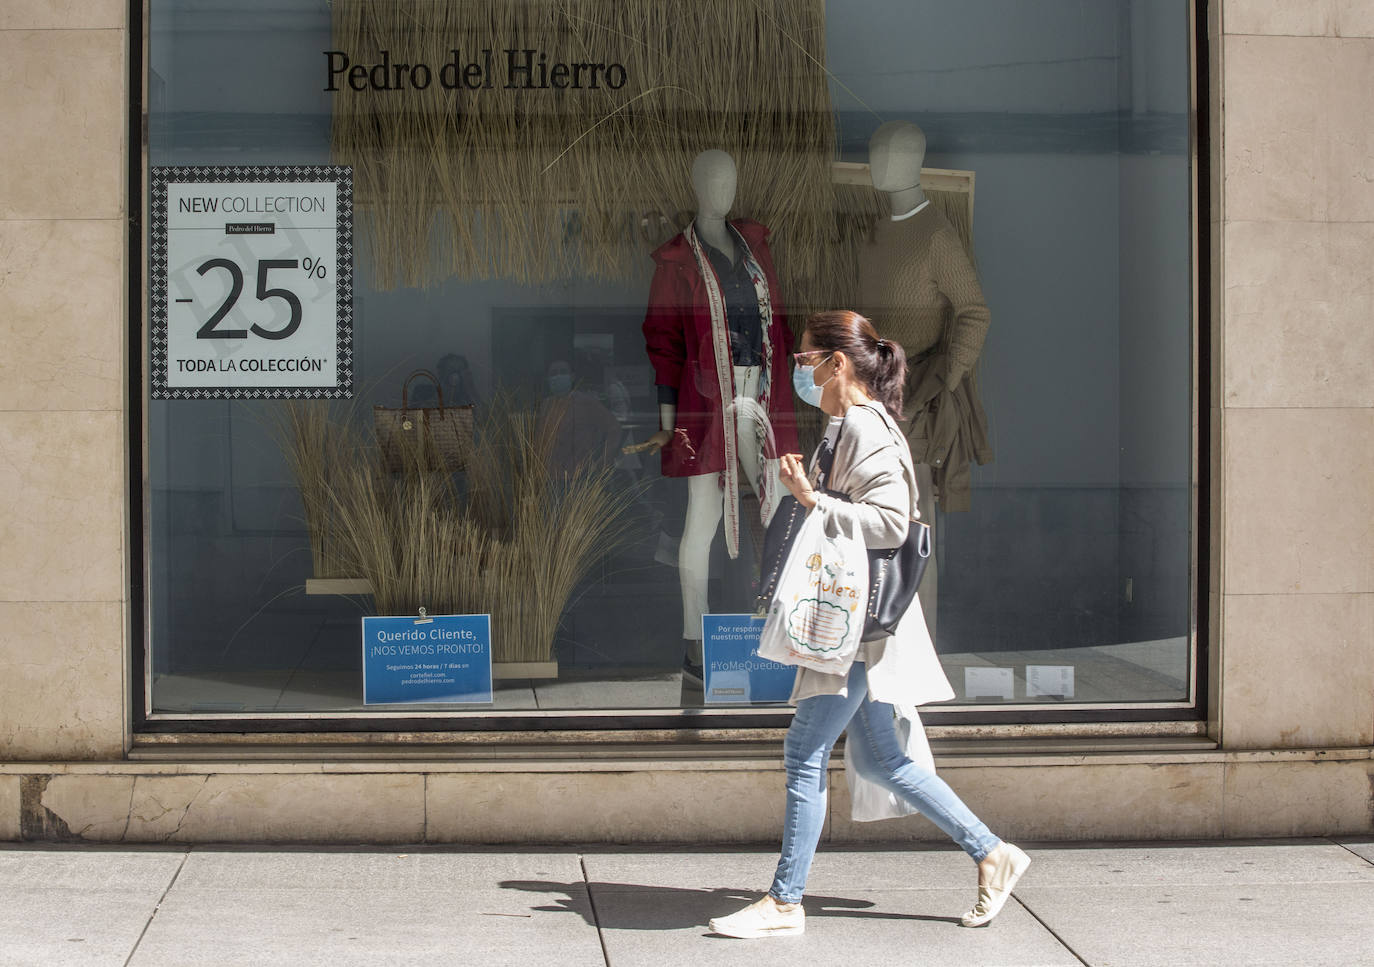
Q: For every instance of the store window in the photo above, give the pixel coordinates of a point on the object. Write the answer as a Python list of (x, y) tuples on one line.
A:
[(429, 281)]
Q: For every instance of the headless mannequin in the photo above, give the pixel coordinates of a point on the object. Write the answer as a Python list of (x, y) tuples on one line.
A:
[(895, 155), (946, 294), (907, 299), (714, 180)]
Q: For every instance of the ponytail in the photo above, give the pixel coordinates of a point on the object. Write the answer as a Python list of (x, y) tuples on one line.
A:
[(890, 379)]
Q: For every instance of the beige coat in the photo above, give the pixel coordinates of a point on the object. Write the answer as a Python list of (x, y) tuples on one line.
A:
[(948, 430), (873, 466)]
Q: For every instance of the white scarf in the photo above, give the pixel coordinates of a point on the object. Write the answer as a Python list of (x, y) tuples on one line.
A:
[(725, 375)]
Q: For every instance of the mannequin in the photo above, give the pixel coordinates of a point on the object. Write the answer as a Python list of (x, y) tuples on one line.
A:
[(896, 153), (919, 288), (719, 343)]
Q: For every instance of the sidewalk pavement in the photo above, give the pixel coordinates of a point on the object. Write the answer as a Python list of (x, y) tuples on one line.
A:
[(1290, 902)]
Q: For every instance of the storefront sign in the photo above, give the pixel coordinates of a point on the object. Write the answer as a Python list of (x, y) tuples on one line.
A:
[(521, 69), (735, 674), (252, 282), (440, 659)]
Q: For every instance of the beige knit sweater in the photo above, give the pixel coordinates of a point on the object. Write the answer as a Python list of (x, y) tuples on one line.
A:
[(916, 284)]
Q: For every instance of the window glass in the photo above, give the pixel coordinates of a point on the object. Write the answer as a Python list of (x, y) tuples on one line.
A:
[(572, 226)]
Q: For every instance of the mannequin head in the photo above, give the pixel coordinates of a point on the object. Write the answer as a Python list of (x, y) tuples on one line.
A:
[(713, 180), (895, 155)]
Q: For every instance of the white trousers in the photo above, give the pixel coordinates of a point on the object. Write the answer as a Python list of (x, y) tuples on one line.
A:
[(706, 502)]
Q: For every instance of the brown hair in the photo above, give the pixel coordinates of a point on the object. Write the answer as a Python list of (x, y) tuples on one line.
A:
[(879, 364)]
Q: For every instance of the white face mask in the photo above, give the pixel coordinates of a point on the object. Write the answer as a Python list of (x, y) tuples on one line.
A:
[(804, 382)]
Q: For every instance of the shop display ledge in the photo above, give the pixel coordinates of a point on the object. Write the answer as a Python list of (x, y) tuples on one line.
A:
[(338, 586), (524, 669)]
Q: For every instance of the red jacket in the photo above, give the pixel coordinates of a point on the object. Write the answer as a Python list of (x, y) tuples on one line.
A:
[(677, 335)]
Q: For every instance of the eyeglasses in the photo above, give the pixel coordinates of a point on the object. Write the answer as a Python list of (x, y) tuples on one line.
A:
[(800, 358)]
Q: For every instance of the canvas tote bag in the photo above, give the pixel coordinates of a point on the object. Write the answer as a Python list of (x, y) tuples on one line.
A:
[(816, 617)]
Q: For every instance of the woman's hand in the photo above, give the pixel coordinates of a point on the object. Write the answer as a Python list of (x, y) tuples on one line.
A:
[(654, 444), (793, 475)]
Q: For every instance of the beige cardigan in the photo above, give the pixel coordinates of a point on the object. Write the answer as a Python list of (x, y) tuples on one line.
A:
[(873, 466)]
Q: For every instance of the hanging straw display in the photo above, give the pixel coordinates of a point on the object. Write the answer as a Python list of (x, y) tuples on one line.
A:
[(537, 183)]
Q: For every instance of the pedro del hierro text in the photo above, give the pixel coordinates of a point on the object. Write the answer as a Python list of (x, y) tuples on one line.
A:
[(525, 69)]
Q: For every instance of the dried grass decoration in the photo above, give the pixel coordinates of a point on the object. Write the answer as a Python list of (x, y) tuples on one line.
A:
[(533, 183), (515, 542), (318, 446)]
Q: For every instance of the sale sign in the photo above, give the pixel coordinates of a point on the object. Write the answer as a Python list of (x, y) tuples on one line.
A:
[(251, 282)]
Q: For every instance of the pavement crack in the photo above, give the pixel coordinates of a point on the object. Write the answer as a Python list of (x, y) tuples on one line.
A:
[(1052, 932), (156, 907), (596, 918), (1347, 848)]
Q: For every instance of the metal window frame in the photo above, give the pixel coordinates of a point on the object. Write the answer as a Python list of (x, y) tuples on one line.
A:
[(693, 724)]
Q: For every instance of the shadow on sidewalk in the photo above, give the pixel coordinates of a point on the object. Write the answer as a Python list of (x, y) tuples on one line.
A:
[(677, 908)]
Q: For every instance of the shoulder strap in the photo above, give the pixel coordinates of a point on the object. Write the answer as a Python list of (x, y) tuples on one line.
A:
[(825, 456), (908, 468)]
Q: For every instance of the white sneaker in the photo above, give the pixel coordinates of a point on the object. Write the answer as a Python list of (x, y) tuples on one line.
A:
[(762, 918), (993, 895)]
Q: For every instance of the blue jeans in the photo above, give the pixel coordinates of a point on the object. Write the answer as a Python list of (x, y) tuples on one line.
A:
[(878, 755)]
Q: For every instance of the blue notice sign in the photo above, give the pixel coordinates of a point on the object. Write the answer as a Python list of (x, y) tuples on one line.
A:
[(735, 674), (443, 659)]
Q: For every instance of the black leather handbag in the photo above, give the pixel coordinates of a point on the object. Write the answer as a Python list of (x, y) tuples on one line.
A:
[(894, 577), (894, 573)]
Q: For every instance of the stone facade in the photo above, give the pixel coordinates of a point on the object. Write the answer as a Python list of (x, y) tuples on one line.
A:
[(1292, 509), (1296, 388), (63, 588)]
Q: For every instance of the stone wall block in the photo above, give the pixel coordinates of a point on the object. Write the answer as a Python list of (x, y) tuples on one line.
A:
[(1299, 304), (75, 808), (1299, 798), (605, 807), (1299, 18), (246, 808), (1296, 671), (1348, 105), (9, 808), (1299, 501), (62, 507), (62, 155), (225, 808), (1354, 18), (1085, 801), (1275, 128), (61, 298), (62, 14), (62, 695)]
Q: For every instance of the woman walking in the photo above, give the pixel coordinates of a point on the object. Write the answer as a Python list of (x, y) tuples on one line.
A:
[(857, 378)]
